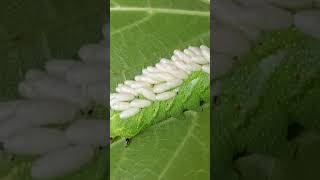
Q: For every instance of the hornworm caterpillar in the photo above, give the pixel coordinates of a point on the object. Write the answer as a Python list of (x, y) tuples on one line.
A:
[(163, 91)]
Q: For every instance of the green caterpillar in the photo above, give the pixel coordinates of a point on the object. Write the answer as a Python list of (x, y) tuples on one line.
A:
[(194, 90), (254, 109), (160, 92)]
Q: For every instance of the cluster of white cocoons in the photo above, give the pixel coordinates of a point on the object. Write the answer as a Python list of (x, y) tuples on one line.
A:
[(56, 96), (159, 83)]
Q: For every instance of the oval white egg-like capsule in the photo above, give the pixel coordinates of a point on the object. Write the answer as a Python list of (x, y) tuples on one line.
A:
[(181, 55), (205, 48), (59, 67), (151, 69), (129, 112), (97, 92), (206, 52), (160, 88), (34, 74), (190, 53), (53, 88), (140, 103), (26, 89), (181, 65), (161, 76), (83, 73), (173, 70), (113, 95), (195, 50), (113, 101), (46, 112), (91, 132), (139, 84), (146, 79), (92, 53), (164, 60), (126, 89), (199, 60), (124, 97), (194, 66), (12, 126), (129, 82), (145, 71), (147, 93), (120, 106), (35, 141), (166, 95), (61, 162), (7, 109), (175, 58), (206, 68)]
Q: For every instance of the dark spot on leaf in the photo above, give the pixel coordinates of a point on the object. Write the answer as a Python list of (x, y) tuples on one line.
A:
[(127, 142), (202, 102)]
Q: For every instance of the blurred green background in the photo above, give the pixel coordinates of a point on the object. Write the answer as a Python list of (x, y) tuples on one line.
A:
[(31, 31)]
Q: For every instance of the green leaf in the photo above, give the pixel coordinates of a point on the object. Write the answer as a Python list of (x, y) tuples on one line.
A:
[(141, 33), (173, 149)]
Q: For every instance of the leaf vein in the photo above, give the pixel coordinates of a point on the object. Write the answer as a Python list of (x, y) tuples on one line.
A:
[(179, 148), (160, 10)]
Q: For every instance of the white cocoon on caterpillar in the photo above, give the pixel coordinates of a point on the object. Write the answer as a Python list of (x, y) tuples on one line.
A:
[(159, 82)]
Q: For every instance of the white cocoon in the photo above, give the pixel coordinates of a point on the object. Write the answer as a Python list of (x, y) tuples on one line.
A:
[(93, 53), (61, 162), (11, 127), (34, 141), (52, 88), (307, 21), (44, 112), (7, 109), (88, 132), (34, 74), (59, 67), (229, 40), (97, 92), (83, 74)]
